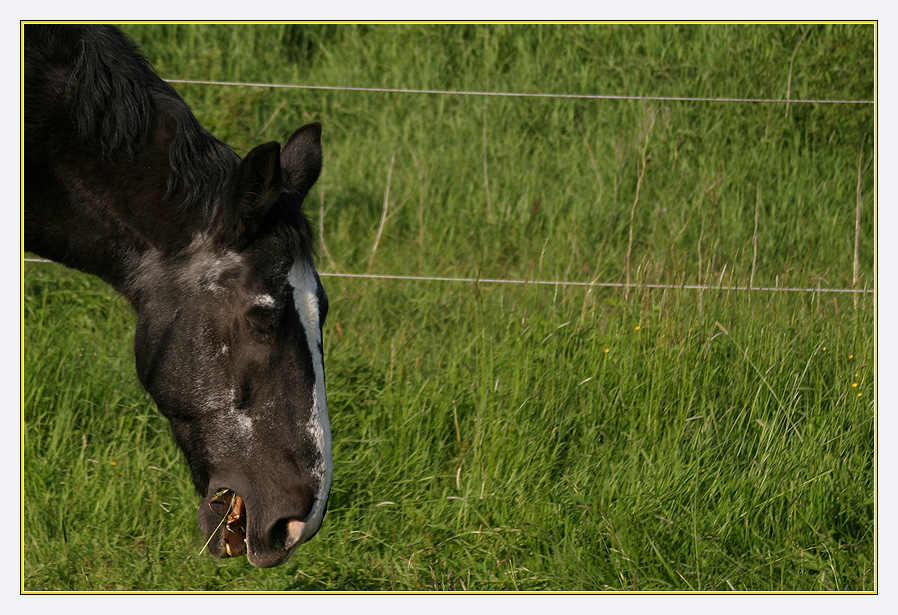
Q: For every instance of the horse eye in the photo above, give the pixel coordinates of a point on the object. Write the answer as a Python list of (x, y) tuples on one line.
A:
[(262, 321)]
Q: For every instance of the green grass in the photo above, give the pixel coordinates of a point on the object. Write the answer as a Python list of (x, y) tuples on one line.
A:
[(498, 437)]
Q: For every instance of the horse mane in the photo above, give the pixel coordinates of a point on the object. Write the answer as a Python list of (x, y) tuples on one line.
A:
[(118, 101)]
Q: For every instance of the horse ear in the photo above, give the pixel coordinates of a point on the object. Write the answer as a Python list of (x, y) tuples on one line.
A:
[(256, 187), (301, 158)]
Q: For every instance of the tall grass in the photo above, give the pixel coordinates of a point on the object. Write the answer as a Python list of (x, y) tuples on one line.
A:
[(495, 437)]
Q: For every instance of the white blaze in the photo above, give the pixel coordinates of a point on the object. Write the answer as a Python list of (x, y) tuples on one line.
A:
[(305, 296)]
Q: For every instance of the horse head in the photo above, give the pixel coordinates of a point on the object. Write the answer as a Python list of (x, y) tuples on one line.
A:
[(229, 345), (215, 255)]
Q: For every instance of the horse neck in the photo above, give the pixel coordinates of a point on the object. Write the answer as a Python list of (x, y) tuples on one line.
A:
[(103, 217)]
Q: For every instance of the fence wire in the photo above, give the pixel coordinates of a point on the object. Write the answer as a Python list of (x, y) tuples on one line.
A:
[(563, 283), (633, 285), (338, 88)]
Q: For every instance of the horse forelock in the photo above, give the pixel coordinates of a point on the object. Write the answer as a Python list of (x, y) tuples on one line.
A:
[(201, 165)]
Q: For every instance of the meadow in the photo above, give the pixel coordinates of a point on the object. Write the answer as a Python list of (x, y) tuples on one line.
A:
[(662, 430)]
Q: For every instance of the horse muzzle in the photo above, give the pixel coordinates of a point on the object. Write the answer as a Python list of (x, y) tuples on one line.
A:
[(266, 534)]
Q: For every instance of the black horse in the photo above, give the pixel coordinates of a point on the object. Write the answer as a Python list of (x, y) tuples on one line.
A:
[(215, 255)]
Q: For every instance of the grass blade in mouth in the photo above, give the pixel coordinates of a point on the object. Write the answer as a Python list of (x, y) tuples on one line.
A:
[(217, 497), (232, 518)]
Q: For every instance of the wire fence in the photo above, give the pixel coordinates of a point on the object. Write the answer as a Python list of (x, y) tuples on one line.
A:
[(562, 283)]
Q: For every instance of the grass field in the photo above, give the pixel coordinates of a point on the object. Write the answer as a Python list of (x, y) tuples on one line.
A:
[(519, 437)]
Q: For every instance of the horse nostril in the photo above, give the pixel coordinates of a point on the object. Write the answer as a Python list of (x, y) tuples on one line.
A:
[(295, 529), (287, 532)]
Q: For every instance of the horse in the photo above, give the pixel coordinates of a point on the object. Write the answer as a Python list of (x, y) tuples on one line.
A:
[(215, 255)]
